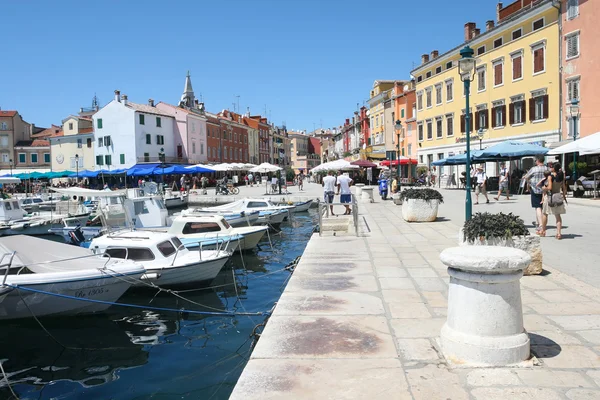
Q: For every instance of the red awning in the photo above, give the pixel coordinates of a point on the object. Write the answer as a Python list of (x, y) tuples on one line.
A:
[(402, 161)]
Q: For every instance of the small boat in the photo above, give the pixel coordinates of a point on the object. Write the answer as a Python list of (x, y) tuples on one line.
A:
[(244, 218), (175, 199), (14, 221), (269, 213), (166, 259), (302, 206), (195, 229), (33, 265)]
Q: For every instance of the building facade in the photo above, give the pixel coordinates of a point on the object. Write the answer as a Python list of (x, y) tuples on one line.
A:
[(281, 145), (299, 151), (253, 139), (234, 138), (13, 129), (32, 154), (581, 65), (73, 148), (515, 92), (128, 133), (213, 138), (376, 142)]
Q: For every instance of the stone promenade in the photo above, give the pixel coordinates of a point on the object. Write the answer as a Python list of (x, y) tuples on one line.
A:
[(361, 318)]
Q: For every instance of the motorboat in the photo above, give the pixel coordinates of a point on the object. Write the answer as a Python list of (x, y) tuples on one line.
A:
[(302, 206), (244, 218), (269, 213), (167, 261), (175, 199), (193, 230), (38, 273)]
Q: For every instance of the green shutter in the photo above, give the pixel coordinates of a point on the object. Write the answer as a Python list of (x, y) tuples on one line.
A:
[(99, 160), (142, 119), (22, 158), (158, 122), (148, 138), (46, 157), (107, 159), (122, 158), (99, 122)]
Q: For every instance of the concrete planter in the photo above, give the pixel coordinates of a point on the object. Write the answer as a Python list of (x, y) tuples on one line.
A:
[(417, 210), (397, 199), (529, 244)]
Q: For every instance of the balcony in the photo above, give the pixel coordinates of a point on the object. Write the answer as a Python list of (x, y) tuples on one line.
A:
[(167, 160)]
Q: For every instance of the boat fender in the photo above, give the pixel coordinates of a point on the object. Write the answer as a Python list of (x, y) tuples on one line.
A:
[(150, 276)]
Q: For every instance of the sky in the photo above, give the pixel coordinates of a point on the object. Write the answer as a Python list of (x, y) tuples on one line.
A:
[(307, 63)]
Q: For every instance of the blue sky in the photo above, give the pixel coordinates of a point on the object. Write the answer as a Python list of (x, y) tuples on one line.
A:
[(310, 62)]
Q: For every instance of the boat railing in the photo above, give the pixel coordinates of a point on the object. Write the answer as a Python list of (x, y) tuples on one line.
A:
[(7, 265), (324, 210)]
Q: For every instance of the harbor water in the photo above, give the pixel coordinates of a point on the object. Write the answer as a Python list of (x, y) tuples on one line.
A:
[(128, 353)]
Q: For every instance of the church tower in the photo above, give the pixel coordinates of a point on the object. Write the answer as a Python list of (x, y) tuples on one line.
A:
[(187, 98)]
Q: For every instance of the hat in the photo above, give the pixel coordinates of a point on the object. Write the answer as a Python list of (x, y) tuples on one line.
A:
[(480, 167)]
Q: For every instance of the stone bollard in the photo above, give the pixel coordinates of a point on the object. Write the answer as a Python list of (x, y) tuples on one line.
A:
[(485, 316), (359, 187), (367, 194)]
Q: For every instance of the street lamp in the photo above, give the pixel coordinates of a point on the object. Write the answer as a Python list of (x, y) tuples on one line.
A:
[(480, 136), (77, 168), (10, 163), (398, 132), (466, 69), (574, 111), (161, 158)]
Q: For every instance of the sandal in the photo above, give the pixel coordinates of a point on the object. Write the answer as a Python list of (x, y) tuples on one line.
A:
[(558, 236), (495, 198), (541, 233)]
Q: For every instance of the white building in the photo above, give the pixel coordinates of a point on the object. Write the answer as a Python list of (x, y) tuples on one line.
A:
[(128, 133)]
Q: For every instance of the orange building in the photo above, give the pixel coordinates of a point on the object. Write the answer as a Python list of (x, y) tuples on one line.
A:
[(405, 110)]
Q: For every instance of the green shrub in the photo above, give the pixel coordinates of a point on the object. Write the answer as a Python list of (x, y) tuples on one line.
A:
[(422, 194), (487, 225), (422, 170)]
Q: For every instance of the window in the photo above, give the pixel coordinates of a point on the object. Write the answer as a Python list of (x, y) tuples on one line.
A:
[(481, 79), (160, 139), (517, 67), (539, 63), (538, 107), (142, 119), (46, 157), (428, 98), (573, 89), (438, 128), (498, 76), (146, 157), (517, 34), (498, 116), (89, 143), (438, 70), (107, 141), (463, 122), (225, 152), (99, 123), (419, 101), (138, 254), (108, 159), (158, 122), (122, 159), (449, 126), (517, 112), (99, 160), (539, 24), (449, 65), (410, 149), (70, 126), (438, 94), (429, 130), (480, 50), (419, 78), (572, 45), (166, 248), (34, 158), (572, 9), (100, 142), (202, 148), (449, 91), (148, 138), (498, 42), (22, 158), (193, 147), (421, 159), (481, 119), (4, 126), (420, 131), (428, 74)]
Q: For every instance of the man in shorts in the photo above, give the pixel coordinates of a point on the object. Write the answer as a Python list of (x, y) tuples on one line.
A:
[(329, 189), (343, 183), (503, 182), (534, 176), (481, 179)]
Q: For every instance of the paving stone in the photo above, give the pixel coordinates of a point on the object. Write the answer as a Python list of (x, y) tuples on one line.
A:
[(435, 382), (335, 283), (561, 296), (430, 284), (440, 312), (552, 338), (534, 323), (539, 283), (322, 379), (592, 336), (399, 295), (567, 308), (387, 262), (435, 299), (550, 378), (595, 375), (578, 322), (333, 267), (417, 350), (567, 356), (583, 394), (390, 272), (516, 393), (527, 297), (396, 283), (331, 303), (422, 273), (417, 328), (492, 377), (408, 310)]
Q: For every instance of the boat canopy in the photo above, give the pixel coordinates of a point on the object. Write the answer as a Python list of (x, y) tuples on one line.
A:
[(83, 192)]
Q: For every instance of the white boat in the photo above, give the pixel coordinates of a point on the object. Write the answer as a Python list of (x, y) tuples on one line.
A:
[(175, 199), (41, 265), (14, 221), (234, 219), (166, 259), (302, 206), (269, 213), (195, 229)]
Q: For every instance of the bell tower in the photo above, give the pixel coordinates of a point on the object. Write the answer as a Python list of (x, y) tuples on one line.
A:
[(187, 98)]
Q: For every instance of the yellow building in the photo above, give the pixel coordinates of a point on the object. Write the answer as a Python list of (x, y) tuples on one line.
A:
[(515, 93), (380, 94), (74, 149)]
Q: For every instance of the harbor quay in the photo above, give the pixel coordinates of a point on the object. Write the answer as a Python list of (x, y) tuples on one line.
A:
[(361, 316)]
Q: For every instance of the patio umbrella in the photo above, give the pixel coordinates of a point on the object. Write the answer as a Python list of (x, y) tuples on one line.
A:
[(263, 169), (510, 149), (364, 164), (337, 165), (586, 145)]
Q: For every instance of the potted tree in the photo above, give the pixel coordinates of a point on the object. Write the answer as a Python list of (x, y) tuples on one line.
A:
[(508, 230), (420, 205)]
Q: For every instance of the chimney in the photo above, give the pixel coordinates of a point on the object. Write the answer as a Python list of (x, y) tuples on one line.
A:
[(498, 8), (489, 25), (434, 54), (469, 28), (118, 95), (424, 58), (476, 33), (125, 99), (151, 102)]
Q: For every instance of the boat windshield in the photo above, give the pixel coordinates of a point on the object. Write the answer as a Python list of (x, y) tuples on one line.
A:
[(257, 204), (166, 248), (131, 253), (200, 227), (176, 241), (160, 203)]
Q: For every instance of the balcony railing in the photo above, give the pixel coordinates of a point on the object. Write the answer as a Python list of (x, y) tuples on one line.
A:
[(166, 160)]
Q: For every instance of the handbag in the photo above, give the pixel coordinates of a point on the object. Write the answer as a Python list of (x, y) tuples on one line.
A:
[(556, 200)]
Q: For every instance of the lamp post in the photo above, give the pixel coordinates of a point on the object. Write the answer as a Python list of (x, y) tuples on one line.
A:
[(480, 136), (466, 68), (10, 163), (398, 132), (161, 157), (574, 111), (77, 169)]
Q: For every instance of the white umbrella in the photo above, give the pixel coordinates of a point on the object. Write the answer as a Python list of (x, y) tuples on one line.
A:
[(586, 145), (336, 165), (265, 168)]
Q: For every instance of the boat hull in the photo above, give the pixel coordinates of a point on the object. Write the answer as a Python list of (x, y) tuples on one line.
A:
[(176, 202), (204, 271), (302, 207)]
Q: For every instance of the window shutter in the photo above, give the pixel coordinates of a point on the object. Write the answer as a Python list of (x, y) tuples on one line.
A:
[(504, 115), (477, 120), (487, 123), (545, 106), (494, 121), (462, 124), (523, 111), (531, 109), (511, 113), (471, 122)]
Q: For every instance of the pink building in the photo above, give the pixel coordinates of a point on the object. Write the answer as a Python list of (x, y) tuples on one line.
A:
[(581, 64)]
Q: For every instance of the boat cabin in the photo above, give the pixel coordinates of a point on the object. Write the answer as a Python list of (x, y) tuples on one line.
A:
[(194, 224), (10, 210), (138, 246)]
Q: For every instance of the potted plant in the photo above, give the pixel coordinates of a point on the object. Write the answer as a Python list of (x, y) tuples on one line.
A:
[(508, 230), (420, 205)]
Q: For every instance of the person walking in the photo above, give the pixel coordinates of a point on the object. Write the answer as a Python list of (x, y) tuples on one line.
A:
[(301, 181), (533, 177), (503, 182), (328, 184), (481, 179), (343, 183), (473, 179), (251, 179), (556, 197)]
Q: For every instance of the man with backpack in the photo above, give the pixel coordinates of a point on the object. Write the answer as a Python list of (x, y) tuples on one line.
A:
[(481, 179)]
